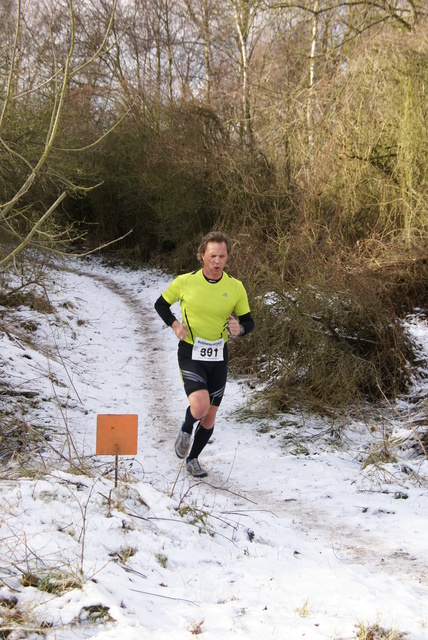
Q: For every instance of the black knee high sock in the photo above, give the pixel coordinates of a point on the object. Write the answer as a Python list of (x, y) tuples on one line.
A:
[(201, 439), (189, 421)]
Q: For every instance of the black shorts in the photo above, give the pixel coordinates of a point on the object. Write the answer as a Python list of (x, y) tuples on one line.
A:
[(198, 374)]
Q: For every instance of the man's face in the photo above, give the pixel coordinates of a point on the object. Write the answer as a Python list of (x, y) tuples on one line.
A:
[(214, 259)]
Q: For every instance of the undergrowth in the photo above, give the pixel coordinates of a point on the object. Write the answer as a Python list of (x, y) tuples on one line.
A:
[(376, 632), (329, 328)]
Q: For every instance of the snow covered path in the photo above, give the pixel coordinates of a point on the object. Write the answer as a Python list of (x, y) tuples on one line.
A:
[(286, 538)]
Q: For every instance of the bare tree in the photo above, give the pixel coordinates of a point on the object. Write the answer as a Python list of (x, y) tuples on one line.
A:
[(201, 13), (48, 76), (312, 68)]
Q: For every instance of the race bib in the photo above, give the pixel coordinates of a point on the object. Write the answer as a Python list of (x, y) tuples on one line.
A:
[(207, 350)]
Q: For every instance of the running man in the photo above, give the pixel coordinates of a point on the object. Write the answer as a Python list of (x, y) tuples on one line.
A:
[(208, 298)]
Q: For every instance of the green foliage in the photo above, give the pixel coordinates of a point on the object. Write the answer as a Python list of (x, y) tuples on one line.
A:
[(59, 583), (162, 560)]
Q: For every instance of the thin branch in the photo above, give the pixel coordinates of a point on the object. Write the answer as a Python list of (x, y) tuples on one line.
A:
[(98, 140), (53, 128), (12, 63), (158, 595), (101, 49), (102, 246), (26, 241)]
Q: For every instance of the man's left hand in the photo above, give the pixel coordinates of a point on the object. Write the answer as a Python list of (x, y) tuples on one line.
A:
[(234, 326)]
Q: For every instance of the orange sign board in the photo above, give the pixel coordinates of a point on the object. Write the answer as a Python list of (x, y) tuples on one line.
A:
[(117, 434)]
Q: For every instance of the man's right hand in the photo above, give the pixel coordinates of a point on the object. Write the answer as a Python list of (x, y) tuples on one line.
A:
[(180, 329)]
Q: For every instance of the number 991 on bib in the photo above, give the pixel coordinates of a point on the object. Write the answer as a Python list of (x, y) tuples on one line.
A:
[(207, 350)]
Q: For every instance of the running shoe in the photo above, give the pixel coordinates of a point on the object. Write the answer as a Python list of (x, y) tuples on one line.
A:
[(182, 443), (195, 469)]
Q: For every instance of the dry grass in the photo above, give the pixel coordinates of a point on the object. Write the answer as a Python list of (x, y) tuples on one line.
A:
[(329, 329), (376, 632)]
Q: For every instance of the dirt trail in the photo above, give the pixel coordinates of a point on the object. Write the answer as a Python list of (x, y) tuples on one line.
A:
[(352, 546), (159, 362)]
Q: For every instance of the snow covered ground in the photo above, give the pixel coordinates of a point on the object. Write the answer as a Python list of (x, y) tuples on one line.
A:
[(292, 535)]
